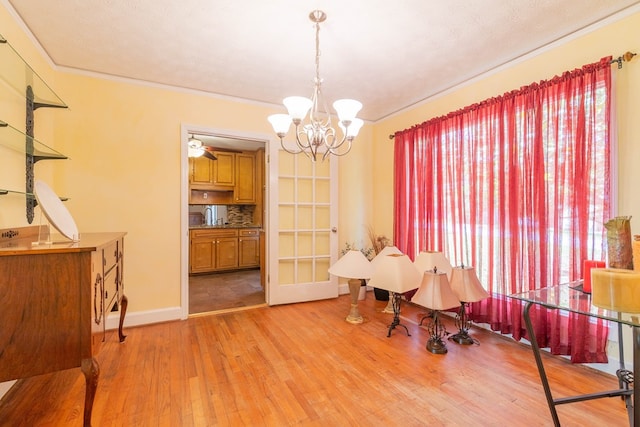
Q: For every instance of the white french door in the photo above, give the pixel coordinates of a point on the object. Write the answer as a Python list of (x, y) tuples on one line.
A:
[(303, 217)]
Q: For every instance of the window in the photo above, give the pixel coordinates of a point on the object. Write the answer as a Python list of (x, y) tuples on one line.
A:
[(517, 186)]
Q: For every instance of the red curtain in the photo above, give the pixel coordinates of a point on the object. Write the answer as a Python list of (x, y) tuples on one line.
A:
[(517, 186)]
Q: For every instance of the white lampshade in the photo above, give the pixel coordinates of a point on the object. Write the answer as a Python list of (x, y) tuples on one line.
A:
[(395, 273), (435, 292), (297, 106), (427, 260), (347, 109), (387, 250), (466, 285), (352, 265), (354, 128), (280, 123)]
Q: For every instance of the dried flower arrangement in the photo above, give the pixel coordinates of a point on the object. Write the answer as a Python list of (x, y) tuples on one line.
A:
[(378, 242)]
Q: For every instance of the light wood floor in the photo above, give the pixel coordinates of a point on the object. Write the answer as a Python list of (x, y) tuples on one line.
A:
[(303, 365), (225, 291)]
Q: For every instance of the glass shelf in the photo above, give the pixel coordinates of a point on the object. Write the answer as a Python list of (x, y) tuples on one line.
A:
[(4, 192), (17, 74), (15, 139)]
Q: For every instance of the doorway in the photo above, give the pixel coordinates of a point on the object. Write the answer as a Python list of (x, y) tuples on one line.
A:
[(227, 275)]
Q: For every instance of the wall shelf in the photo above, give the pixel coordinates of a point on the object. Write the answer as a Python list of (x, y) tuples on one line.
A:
[(5, 192), (18, 76), (14, 139)]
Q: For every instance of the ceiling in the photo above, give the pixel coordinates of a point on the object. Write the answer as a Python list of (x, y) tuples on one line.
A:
[(389, 55)]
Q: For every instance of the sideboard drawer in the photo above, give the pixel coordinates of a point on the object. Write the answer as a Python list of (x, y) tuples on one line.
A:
[(110, 289), (110, 255)]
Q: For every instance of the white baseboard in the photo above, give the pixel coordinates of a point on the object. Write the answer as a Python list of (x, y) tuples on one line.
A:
[(140, 318)]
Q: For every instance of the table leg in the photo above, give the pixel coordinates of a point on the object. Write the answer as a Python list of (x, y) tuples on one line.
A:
[(541, 371), (124, 303), (91, 372)]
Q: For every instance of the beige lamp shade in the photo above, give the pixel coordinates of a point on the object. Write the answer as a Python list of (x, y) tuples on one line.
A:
[(352, 265), (435, 292), (466, 285), (427, 260), (387, 250), (395, 273)]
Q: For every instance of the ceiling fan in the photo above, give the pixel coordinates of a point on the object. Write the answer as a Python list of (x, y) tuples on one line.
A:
[(196, 149)]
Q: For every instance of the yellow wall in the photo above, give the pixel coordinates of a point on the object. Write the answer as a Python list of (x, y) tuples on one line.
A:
[(124, 171), (613, 39), (123, 142)]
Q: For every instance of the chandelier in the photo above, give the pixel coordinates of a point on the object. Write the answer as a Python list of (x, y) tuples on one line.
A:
[(317, 136)]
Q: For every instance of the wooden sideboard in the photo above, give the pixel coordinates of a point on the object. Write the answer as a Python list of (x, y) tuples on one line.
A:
[(54, 299)]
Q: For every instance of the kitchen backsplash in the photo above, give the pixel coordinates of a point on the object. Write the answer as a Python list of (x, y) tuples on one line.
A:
[(227, 214), (240, 214)]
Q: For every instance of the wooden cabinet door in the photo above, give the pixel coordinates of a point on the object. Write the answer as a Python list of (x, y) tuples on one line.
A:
[(248, 252), (203, 255), (201, 171), (224, 169), (245, 189), (227, 256)]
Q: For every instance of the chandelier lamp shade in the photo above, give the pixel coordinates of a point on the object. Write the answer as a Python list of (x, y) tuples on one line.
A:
[(356, 267), (315, 136)]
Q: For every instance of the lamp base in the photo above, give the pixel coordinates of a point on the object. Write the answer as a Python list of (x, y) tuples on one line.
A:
[(462, 338), (389, 307), (436, 346), (395, 299), (354, 315), (354, 289)]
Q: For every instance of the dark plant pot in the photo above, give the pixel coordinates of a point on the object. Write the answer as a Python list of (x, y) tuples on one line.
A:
[(381, 294)]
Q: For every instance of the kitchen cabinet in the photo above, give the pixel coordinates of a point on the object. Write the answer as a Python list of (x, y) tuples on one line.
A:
[(224, 169), (232, 176), (248, 248), (201, 171), (245, 188), (217, 175), (221, 249), (213, 249)]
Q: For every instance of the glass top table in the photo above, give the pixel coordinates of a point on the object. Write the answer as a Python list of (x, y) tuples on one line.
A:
[(570, 297)]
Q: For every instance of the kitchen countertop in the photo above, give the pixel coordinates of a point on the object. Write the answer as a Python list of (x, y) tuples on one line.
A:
[(199, 227)]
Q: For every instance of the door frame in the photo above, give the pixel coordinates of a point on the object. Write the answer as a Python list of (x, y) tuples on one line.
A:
[(185, 130)]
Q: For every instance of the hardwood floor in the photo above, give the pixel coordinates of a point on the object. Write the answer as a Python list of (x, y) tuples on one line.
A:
[(303, 365), (225, 291)]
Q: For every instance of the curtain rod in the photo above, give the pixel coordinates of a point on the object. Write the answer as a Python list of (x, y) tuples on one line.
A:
[(619, 60), (626, 58)]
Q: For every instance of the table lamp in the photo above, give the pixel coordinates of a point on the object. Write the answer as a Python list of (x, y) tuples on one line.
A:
[(397, 274), (436, 294), (466, 285), (387, 250), (432, 261), (353, 266)]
